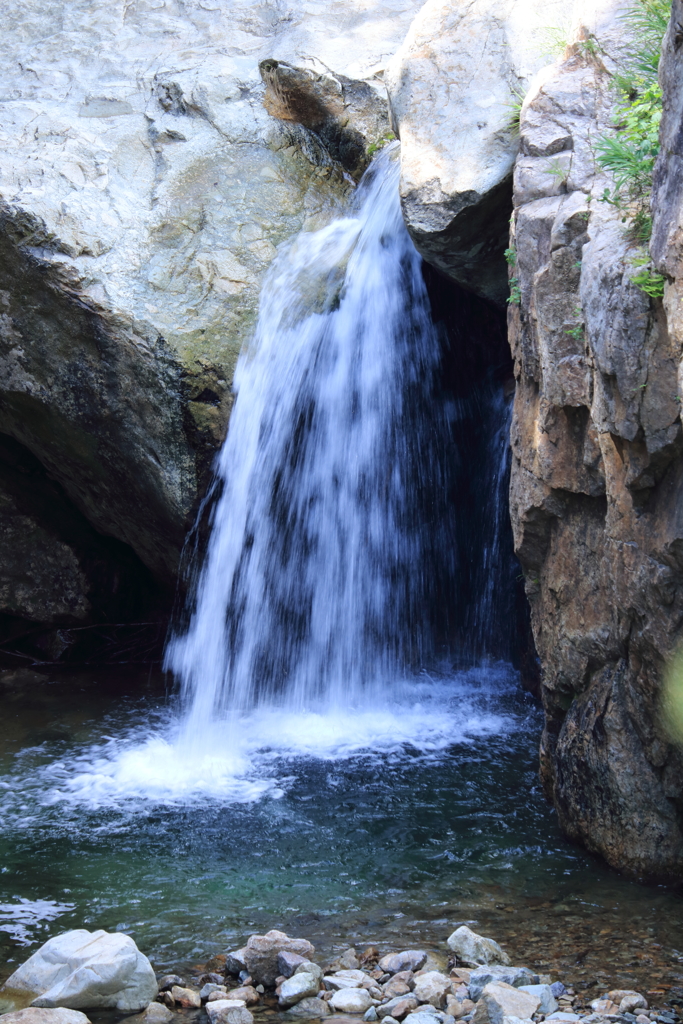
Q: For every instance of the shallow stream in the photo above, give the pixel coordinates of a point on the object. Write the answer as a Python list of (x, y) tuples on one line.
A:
[(438, 820)]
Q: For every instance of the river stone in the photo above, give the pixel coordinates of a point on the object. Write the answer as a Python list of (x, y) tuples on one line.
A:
[(40, 1015), (210, 988), (300, 986), (169, 980), (228, 1011), (247, 993), (451, 88), (344, 979), (499, 1000), (473, 949), (351, 1000), (188, 998), (261, 953), (309, 1007), (88, 970), (428, 1015), (399, 1007), (396, 987), (287, 963), (548, 1003), (157, 1013), (432, 987), (407, 960)]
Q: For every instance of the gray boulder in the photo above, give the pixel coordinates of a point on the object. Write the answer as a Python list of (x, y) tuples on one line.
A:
[(310, 1007), (40, 1015), (300, 986), (548, 1003), (88, 970), (407, 960), (482, 976), (472, 949), (499, 1000), (261, 954), (451, 87)]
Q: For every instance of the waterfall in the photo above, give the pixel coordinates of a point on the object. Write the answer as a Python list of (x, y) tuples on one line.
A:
[(329, 541)]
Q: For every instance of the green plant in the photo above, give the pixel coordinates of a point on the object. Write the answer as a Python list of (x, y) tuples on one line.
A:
[(577, 330), (629, 154), (510, 256), (375, 147), (515, 108), (515, 296)]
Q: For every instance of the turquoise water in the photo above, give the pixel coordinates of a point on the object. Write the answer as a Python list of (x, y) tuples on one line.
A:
[(441, 822)]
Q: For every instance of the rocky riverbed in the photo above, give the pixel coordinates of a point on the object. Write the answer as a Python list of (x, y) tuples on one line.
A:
[(278, 977)]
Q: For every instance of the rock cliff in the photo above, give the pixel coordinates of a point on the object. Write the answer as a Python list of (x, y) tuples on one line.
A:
[(597, 477), (144, 189)]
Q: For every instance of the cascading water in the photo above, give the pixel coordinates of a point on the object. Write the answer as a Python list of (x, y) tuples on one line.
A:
[(330, 536)]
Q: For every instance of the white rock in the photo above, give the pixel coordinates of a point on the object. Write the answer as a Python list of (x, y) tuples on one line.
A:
[(517, 1020), (432, 987), (300, 986), (351, 1000), (516, 976), (407, 960), (40, 1015), (344, 979), (157, 1013), (88, 970), (310, 1007), (548, 1003), (229, 1011), (499, 1000), (451, 87), (473, 949)]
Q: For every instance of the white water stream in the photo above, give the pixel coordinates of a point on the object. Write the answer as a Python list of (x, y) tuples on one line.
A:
[(313, 610)]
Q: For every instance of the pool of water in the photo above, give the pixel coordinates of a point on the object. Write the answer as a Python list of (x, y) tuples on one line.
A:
[(389, 823)]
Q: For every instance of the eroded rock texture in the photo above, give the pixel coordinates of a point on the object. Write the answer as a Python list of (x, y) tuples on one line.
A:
[(453, 87), (144, 189), (597, 478)]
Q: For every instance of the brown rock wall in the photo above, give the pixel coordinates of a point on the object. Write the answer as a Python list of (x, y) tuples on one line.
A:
[(597, 476)]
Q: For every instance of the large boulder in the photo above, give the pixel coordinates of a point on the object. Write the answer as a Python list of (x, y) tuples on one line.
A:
[(144, 189), (453, 87), (39, 1015), (87, 970)]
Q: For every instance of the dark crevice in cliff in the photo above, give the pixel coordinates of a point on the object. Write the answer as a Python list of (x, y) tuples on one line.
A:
[(488, 613), (68, 594)]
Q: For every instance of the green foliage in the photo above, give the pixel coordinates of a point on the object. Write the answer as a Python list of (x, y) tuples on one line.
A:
[(375, 147), (630, 153), (515, 107), (646, 22), (577, 330), (510, 257), (647, 279), (515, 296)]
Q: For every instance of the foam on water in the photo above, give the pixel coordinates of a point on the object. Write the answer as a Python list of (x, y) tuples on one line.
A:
[(249, 756)]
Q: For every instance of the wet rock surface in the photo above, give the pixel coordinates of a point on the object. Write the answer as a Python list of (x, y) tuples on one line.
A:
[(597, 468), (138, 219), (452, 86)]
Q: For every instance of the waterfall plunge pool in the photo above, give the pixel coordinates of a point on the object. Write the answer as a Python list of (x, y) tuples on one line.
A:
[(316, 831)]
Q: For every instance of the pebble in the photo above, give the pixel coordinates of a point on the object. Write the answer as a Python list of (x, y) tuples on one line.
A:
[(371, 1014)]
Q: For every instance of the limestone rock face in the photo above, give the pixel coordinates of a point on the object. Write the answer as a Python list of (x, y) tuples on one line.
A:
[(597, 476), (144, 189), (87, 970), (452, 88)]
